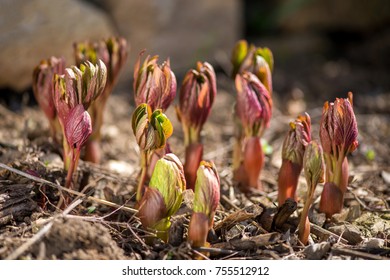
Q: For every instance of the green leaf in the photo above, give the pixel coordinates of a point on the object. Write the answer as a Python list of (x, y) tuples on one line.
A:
[(239, 53), (91, 209), (267, 148), (207, 189), (167, 178), (267, 55), (163, 128), (139, 115), (370, 155)]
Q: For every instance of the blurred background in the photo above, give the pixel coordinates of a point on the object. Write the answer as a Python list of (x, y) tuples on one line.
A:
[(322, 48)]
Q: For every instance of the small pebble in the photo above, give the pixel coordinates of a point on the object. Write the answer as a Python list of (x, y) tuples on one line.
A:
[(121, 167), (386, 177), (52, 160), (316, 251), (374, 243)]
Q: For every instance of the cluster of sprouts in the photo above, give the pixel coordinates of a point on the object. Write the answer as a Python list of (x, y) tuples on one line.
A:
[(74, 98)]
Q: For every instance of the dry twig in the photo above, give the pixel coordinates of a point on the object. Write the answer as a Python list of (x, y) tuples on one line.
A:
[(356, 254), (25, 246), (51, 184), (364, 205), (249, 212), (324, 234)]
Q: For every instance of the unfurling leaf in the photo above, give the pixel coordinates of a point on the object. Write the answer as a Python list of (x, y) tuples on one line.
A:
[(267, 55), (206, 200), (151, 208), (154, 84), (78, 127), (197, 96), (168, 179), (207, 190), (164, 195), (73, 94), (162, 126), (258, 61), (293, 150), (338, 130), (313, 164), (78, 86), (254, 104), (252, 70), (43, 84), (297, 139), (338, 135), (112, 51), (239, 53), (151, 129)]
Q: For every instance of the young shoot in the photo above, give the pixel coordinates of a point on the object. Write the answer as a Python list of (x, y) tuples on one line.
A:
[(207, 194), (151, 130), (163, 196), (113, 53), (74, 92), (338, 135), (313, 164), (294, 144), (197, 96)]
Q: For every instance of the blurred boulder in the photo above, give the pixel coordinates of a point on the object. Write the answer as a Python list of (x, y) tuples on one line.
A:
[(37, 29), (183, 30)]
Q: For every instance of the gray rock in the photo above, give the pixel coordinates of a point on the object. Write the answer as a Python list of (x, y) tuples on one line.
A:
[(374, 243), (183, 30), (37, 29), (316, 251)]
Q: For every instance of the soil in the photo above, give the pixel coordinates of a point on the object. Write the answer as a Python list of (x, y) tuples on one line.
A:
[(102, 224)]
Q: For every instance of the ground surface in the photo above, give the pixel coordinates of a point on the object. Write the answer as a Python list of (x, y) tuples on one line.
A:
[(103, 226)]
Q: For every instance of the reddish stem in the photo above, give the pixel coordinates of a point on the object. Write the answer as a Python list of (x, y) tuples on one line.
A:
[(304, 229), (304, 223), (194, 154), (96, 111), (248, 173), (92, 151), (142, 177), (288, 180), (332, 199), (198, 229), (253, 162), (75, 154)]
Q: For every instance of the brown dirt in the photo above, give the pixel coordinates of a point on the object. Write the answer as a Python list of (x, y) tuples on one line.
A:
[(77, 239), (96, 231)]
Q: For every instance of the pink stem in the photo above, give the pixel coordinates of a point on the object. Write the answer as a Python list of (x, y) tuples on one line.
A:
[(194, 153)]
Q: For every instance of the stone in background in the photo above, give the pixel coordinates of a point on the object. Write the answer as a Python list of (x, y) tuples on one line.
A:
[(36, 29), (184, 30)]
